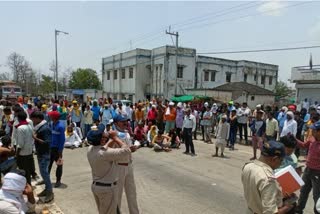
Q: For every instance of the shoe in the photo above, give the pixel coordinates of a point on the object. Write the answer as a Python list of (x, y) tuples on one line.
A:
[(42, 194), (216, 155), (193, 154), (222, 155), (58, 184), (35, 177), (253, 158), (49, 197), (186, 153), (40, 183)]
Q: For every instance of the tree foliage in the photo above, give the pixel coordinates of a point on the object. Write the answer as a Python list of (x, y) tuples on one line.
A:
[(84, 79), (19, 67), (282, 90)]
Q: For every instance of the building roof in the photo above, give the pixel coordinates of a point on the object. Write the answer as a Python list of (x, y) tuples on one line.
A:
[(243, 86)]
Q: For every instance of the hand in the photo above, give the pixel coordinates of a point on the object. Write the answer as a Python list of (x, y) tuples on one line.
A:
[(28, 190), (113, 134), (133, 148), (34, 136)]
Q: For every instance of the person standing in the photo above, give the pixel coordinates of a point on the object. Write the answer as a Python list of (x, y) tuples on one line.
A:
[(62, 109), (106, 114), (152, 115), (88, 114), (76, 114), (189, 125), (233, 128), (222, 135), (57, 145), (139, 113), (282, 116), (311, 174), (42, 139), (258, 129), (272, 127), (290, 125), (261, 189), (24, 142), (206, 123), (170, 117), (242, 116), (160, 114), (126, 175), (179, 119), (105, 172)]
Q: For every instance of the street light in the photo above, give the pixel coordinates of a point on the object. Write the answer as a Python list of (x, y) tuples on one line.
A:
[(56, 33)]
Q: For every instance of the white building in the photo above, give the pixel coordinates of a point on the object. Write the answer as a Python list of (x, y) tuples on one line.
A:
[(213, 72), (144, 74), (307, 83)]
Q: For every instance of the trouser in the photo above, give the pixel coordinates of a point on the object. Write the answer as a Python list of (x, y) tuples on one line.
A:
[(202, 131), (170, 125), (195, 133), (207, 136), (54, 157), (311, 180), (221, 143), (160, 124), (8, 166), (132, 124), (243, 126), (106, 198), (187, 135), (126, 182), (179, 134), (87, 128), (233, 135), (43, 161), (25, 163)]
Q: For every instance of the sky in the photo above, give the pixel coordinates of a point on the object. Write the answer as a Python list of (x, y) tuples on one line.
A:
[(101, 29)]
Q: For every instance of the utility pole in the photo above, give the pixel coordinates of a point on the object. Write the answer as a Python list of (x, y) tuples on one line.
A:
[(56, 33), (176, 34)]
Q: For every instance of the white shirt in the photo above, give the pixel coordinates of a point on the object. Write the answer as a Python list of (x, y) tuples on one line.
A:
[(189, 122), (290, 126), (223, 131), (243, 114), (24, 139), (306, 105)]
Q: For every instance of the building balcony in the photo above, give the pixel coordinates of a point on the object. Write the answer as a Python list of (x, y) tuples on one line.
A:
[(305, 75)]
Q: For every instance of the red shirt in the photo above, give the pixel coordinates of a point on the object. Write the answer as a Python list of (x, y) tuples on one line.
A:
[(152, 114), (139, 132), (313, 158)]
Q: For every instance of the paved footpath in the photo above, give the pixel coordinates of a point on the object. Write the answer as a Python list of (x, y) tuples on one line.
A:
[(167, 183)]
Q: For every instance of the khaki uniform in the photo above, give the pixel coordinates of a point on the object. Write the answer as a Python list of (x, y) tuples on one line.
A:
[(126, 181), (105, 175), (261, 190)]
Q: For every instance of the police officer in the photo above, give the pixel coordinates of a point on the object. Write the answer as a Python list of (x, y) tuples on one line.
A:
[(261, 190), (126, 178), (105, 174)]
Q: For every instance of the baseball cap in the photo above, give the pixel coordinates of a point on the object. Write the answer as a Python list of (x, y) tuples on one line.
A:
[(272, 149), (230, 102), (119, 118), (315, 126)]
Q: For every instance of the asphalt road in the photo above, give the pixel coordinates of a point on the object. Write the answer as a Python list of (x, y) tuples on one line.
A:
[(166, 182)]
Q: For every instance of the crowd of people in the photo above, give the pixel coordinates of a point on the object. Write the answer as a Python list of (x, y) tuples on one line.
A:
[(113, 131)]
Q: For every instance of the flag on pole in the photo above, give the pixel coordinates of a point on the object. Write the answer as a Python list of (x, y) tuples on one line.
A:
[(310, 62)]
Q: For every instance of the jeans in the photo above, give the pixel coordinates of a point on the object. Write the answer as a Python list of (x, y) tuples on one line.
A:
[(187, 135), (25, 163), (233, 135), (311, 179), (87, 128), (43, 161), (53, 158)]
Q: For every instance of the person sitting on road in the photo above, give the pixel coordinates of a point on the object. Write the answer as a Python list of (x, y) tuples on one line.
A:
[(140, 135), (152, 133), (175, 140), (72, 138), (11, 194), (161, 142), (7, 160)]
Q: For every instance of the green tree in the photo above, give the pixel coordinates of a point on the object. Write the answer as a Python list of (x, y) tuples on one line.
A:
[(47, 85), (84, 79), (282, 90)]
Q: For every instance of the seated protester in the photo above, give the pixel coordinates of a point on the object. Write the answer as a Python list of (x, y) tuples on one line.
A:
[(7, 160), (147, 127), (175, 140), (140, 135), (152, 133), (161, 142), (11, 194), (77, 129), (290, 158), (72, 138)]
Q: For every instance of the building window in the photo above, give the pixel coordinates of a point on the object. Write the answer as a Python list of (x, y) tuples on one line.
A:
[(206, 76), (255, 77), (131, 97), (180, 72), (245, 77), (123, 73), (228, 77), (130, 73), (252, 98), (270, 80), (263, 78), (115, 74), (108, 75), (213, 76)]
